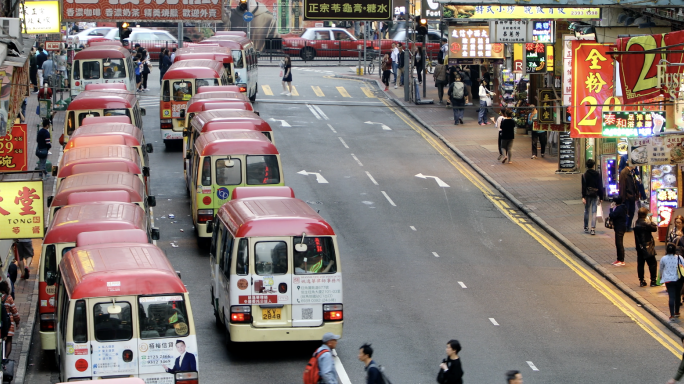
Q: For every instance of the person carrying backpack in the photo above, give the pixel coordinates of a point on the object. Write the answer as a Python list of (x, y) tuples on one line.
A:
[(321, 366), (374, 373), (457, 96)]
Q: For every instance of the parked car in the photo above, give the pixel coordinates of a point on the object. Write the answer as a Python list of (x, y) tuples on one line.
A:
[(330, 42), (151, 39), (91, 33), (433, 43)]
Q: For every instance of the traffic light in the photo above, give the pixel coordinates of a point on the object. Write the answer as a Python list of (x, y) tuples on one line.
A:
[(242, 5), (124, 31), (421, 26)]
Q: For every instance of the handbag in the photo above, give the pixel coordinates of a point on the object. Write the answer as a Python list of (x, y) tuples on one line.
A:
[(488, 101), (599, 213), (41, 153), (609, 222)]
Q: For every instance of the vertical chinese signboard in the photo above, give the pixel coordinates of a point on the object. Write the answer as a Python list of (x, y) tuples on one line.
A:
[(13, 150), (21, 209), (592, 85), (547, 103), (535, 58)]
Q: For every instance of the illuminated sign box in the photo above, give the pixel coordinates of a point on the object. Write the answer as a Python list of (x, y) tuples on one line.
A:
[(543, 32), (488, 12), (42, 16), (535, 58), (469, 45), (632, 123), (21, 208), (356, 10)]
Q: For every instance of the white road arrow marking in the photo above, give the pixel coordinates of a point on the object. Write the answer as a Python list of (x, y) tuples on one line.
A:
[(384, 127), (319, 178), (283, 123), (439, 181)]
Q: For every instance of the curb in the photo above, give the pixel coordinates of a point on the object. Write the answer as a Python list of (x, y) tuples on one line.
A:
[(22, 364), (678, 330)]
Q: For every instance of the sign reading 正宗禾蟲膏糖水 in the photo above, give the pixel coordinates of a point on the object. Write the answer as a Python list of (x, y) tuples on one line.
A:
[(354, 10), (142, 10)]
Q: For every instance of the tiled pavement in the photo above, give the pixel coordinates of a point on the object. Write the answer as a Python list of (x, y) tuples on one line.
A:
[(555, 198)]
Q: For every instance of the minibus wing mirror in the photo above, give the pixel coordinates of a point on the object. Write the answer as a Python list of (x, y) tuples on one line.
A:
[(185, 133), (55, 169), (143, 112), (210, 226), (155, 234), (151, 201), (149, 148), (182, 113), (146, 171), (257, 113), (188, 154), (179, 275)]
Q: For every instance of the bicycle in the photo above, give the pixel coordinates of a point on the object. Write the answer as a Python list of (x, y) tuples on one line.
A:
[(429, 65), (371, 56)]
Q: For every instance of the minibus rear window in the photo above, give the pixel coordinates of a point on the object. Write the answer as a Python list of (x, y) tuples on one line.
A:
[(206, 171), (237, 58), (162, 316), (263, 170), (114, 69), (83, 115), (91, 70), (318, 258), (242, 260), (113, 326), (205, 82), (228, 175), (117, 112), (270, 258), (77, 70), (50, 261), (80, 329)]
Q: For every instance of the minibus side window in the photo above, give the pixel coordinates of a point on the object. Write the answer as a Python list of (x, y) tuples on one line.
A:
[(270, 258), (206, 171), (263, 170), (50, 261), (80, 329), (136, 117), (227, 257), (71, 123), (166, 96), (228, 175), (182, 90), (237, 58), (215, 244), (318, 258), (77, 70), (242, 259), (118, 112), (162, 316), (113, 326), (63, 305), (91, 70)]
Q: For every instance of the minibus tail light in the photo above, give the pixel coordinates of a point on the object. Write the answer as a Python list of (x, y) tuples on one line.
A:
[(243, 87), (47, 322), (187, 378), (241, 314), (333, 312), (166, 124), (204, 215)]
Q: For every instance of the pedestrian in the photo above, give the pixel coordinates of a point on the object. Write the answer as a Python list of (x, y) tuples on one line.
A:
[(326, 364), (33, 69), (645, 246), (440, 77), (443, 51), (386, 70), (12, 273), (147, 65), (451, 371), (537, 136), (497, 124), (400, 65), (592, 195), (677, 227), (48, 71), (514, 377), (138, 72), (457, 96), (164, 64), (618, 215), (395, 59), (41, 56), (373, 373), (173, 55), (628, 193), (43, 147), (465, 77), (507, 136), (13, 313), (287, 77), (670, 275), (485, 102), (419, 62)]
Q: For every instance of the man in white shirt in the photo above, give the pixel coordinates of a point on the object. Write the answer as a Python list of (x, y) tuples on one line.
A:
[(395, 61)]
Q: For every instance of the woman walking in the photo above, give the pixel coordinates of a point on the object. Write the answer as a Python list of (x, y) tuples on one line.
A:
[(419, 61), (287, 77), (645, 246), (670, 275), (164, 64), (451, 370), (485, 101), (147, 64), (507, 136), (386, 70)]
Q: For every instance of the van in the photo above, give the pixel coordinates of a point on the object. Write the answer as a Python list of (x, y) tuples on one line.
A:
[(220, 54), (102, 64), (106, 119), (111, 133), (245, 61), (123, 311), (232, 100)]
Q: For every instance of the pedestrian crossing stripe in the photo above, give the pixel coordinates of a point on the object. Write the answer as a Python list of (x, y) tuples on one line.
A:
[(294, 91), (317, 91), (343, 92), (267, 90)]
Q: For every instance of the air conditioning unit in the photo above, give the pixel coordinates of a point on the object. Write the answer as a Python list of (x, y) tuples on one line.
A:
[(11, 26)]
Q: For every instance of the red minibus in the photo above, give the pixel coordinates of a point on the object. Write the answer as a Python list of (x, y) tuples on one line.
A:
[(112, 133), (95, 87), (106, 119), (112, 102), (102, 64), (245, 61), (218, 88)]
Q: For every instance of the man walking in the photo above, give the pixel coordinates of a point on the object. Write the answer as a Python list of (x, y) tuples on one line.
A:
[(326, 364), (592, 195), (628, 193), (373, 374), (41, 56), (514, 377), (394, 56), (619, 218), (645, 246), (400, 65), (443, 51), (33, 69)]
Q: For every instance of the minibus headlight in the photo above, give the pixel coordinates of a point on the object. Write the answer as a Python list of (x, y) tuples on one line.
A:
[(47, 322), (333, 312), (204, 215), (240, 314), (187, 378)]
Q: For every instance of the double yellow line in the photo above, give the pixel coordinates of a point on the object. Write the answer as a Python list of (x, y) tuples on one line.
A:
[(628, 308)]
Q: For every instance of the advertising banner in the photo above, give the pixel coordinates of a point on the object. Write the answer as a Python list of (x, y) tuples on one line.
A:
[(42, 16), (666, 150), (638, 151), (141, 10), (356, 10), (21, 210), (454, 11), (535, 58), (632, 123), (469, 45), (567, 69), (592, 83), (13, 150), (562, 3)]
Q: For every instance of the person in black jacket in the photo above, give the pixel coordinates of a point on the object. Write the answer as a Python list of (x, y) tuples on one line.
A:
[(507, 135), (41, 56), (43, 147), (628, 193), (451, 371), (618, 216), (592, 195), (645, 246), (33, 69), (373, 374), (400, 65)]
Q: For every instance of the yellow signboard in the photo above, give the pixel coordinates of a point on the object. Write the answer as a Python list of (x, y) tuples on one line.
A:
[(42, 16), (519, 12), (21, 210)]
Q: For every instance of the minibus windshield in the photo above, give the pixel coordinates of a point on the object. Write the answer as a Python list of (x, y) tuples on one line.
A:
[(111, 325), (319, 256), (270, 258), (226, 175), (162, 316), (182, 90), (91, 70)]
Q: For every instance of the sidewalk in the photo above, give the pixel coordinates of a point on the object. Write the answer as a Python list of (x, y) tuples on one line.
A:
[(554, 198)]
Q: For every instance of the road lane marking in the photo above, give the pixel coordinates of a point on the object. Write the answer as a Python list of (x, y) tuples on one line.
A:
[(294, 91), (341, 373), (368, 92), (267, 90), (412, 227), (388, 198), (384, 127), (435, 254), (343, 92), (462, 284), (439, 181), (317, 91), (357, 160), (343, 143), (627, 307), (283, 123), (493, 321), (319, 178), (374, 182), (311, 108), (534, 367), (320, 112), (333, 129)]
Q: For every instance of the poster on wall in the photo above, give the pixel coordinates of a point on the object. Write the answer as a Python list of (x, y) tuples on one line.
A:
[(42, 16), (535, 58), (13, 150), (21, 210), (638, 151), (567, 69), (666, 150)]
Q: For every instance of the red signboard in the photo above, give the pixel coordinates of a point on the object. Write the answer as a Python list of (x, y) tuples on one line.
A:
[(142, 10), (592, 85), (53, 45), (639, 72), (13, 150)]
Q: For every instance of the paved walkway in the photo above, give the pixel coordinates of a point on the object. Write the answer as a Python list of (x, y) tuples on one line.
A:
[(555, 198)]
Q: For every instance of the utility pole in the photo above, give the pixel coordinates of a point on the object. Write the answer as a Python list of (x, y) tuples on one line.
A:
[(180, 34), (406, 53)]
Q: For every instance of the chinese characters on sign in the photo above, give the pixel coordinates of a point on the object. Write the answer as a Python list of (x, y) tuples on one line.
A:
[(632, 123), (431, 9), (42, 16), (592, 83), (468, 45), (343, 10), (666, 150), (509, 31), (543, 32), (21, 209), (638, 151), (547, 102), (535, 58), (518, 12), (13, 150), (567, 69), (142, 10)]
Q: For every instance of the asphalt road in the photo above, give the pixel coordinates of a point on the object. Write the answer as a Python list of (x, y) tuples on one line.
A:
[(422, 263)]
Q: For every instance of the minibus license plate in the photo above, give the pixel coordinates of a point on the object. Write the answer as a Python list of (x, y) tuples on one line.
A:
[(270, 314)]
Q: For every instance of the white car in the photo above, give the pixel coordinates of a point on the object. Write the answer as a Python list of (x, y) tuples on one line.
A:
[(84, 36), (153, 40)]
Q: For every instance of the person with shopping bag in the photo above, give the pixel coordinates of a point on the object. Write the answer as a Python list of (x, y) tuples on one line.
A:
[(485, 102)]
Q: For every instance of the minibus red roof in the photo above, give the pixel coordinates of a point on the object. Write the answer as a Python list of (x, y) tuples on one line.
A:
[(201, 48), (272, 216), (105, 119), (71, 220), (131, 134), (103, 99), (98, 155), (212, 104), (121, 236), (103, 51), (245, 192), (223, 95), (94, 87), (226, 40), (231, 115), (234, 143), (99, 196), (194, 69), (94, 141), (222, 57), (99, 181), (218, 88), (127, 269), (240, 125)]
